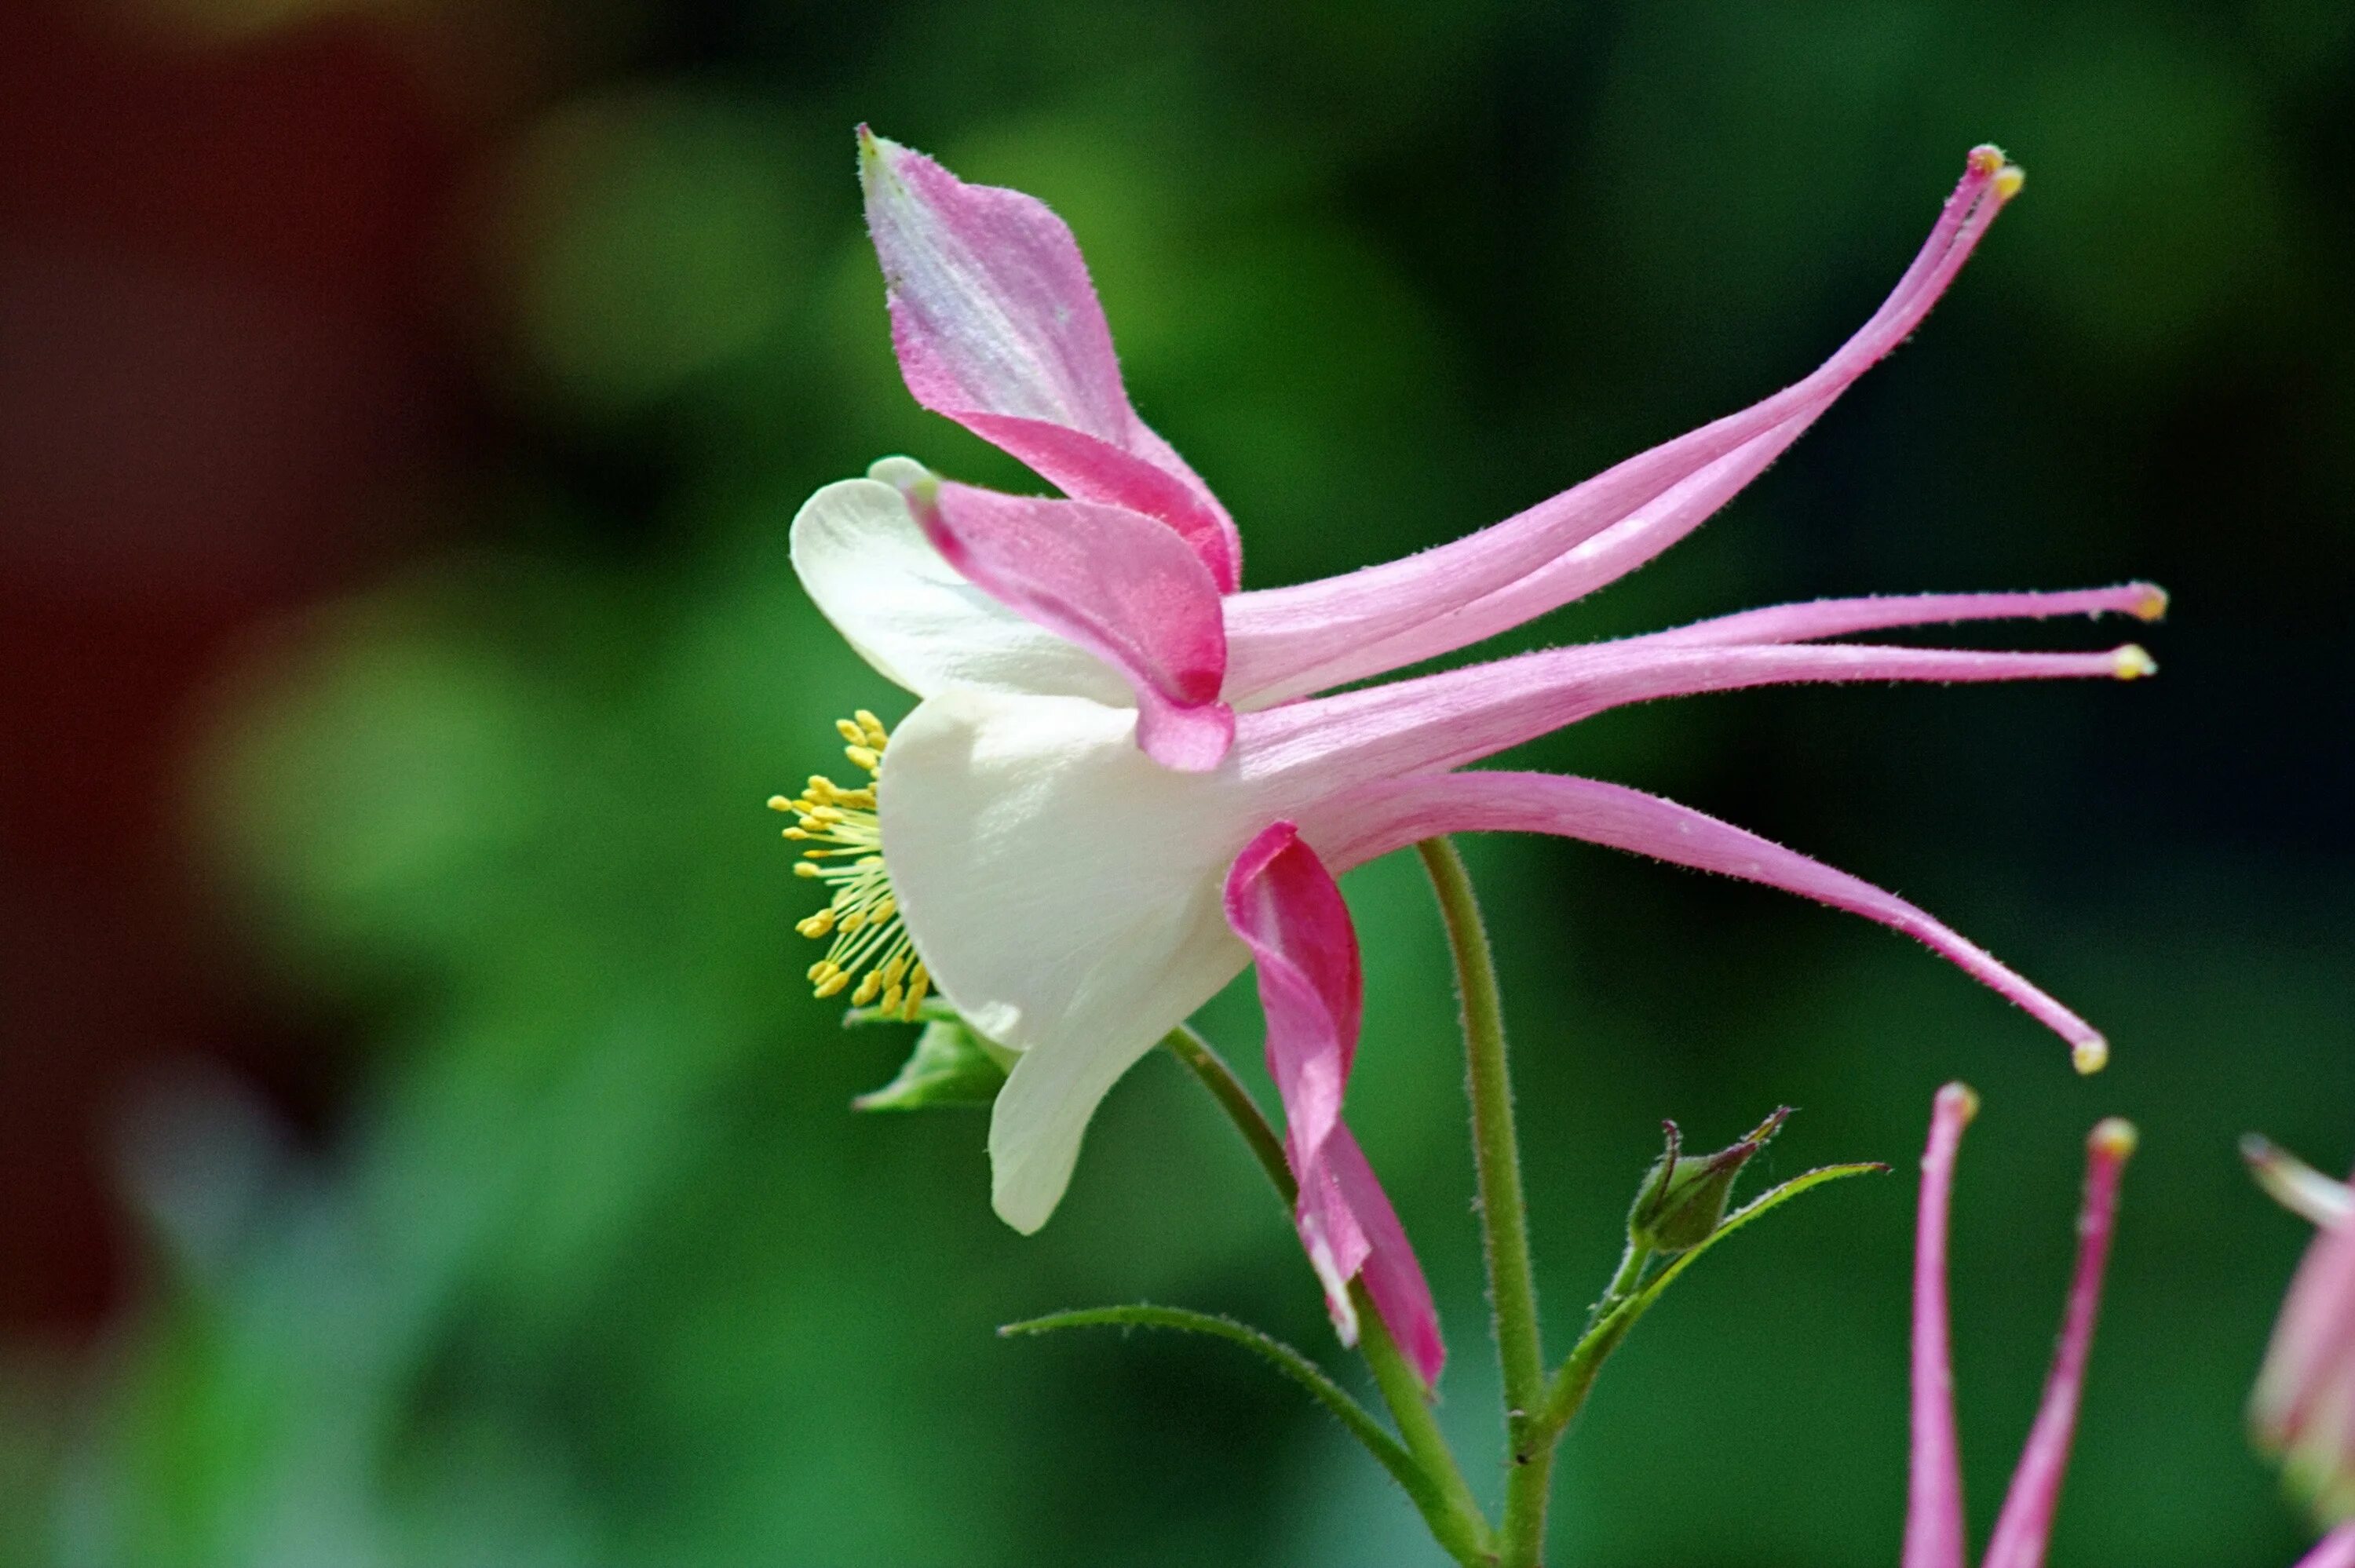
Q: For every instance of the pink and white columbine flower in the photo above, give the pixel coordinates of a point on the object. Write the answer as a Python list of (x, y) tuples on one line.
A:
[(1933, 1514), (1106, 720), (2304, 1407)]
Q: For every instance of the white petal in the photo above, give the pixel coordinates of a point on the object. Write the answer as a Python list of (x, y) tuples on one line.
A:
[(909, 613), (1062, 889)]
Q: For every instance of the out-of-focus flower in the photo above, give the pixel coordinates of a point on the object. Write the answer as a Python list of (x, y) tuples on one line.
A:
[(2303, 1408), (1106, 720), (1933, 1515)]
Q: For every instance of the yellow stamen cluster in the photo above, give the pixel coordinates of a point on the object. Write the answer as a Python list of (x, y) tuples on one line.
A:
[(862, 916)]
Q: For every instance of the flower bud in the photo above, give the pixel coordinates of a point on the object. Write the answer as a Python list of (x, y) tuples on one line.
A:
[(951, 1066), (1683, 1199)]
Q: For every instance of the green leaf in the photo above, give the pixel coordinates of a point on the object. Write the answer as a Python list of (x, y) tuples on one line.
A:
[(1361, 1424), (951, 1066), (1617, 1318)]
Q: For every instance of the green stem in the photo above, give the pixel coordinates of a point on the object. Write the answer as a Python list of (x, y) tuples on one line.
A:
[(1623, 1284), (1444, 1497), (1504, 1211), (1205, 1063), (1453, 1514), (1614, 1314)]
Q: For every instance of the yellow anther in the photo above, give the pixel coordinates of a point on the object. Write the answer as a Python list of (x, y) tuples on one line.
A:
[(2114, 1136), (2007, 181), (2090, 1055), (870, 948), (2152, 603), (2133, 663), (1986, 158)]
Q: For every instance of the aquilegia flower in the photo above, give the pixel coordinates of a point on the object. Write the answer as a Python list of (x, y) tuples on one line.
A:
[(2304, 1407), (1106, 721), (1933, 1515)]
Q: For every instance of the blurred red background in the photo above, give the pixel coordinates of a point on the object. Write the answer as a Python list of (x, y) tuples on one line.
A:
[(218, 246)]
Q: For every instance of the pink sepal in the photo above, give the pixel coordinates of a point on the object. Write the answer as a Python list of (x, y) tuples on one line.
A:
[(1288, 910), (1112, 581), (997, 327)]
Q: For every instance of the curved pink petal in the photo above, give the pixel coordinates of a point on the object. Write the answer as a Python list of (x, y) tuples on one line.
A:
[(1116, 583), (1934, 1493), (2025, 1526), (1883, 612), (1307, 637), (998, 327), (1288, 910), (1377, 819), (1434, 723), (1392, 1275)]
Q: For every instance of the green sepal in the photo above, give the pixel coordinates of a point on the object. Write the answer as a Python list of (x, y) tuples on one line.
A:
[(951, 1066), (1682, 1200)]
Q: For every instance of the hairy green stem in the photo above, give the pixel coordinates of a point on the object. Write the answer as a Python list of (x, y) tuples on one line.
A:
[(1443, 1497), (1504, 1212), (1623, 1284)]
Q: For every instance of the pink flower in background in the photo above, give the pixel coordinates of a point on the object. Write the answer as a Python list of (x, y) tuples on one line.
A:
[(1109, 725), (2303, 1408), (1933, 1515)]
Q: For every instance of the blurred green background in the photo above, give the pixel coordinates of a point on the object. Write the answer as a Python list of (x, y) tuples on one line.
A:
[(423, 1147)]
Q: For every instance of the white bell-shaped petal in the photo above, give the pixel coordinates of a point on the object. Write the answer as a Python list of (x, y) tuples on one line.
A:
[(911, 614), (1063, 890)]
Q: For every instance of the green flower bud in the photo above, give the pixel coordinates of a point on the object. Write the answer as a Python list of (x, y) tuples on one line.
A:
[(951, 1066), (1683, 1199)]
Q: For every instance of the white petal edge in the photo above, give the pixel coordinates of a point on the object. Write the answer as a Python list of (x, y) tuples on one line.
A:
[(1062, 889), (909, 613)]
